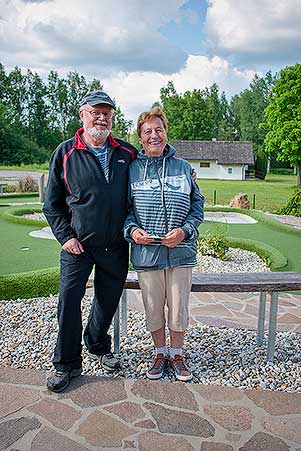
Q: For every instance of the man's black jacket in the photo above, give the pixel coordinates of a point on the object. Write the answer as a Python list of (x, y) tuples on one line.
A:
[(80, 203)]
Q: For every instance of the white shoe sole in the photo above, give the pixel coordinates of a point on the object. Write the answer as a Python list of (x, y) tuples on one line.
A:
[(154, 376), (184, 378)]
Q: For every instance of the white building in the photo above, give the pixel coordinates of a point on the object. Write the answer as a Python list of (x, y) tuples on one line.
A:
[(225, 160)]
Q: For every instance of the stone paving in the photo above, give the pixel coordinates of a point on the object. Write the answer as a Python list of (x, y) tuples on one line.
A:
[(100, 413), (104, 414)]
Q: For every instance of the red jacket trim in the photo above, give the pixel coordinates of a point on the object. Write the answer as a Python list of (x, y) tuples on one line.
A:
[(115, 143), (66, 156), (80, 144)]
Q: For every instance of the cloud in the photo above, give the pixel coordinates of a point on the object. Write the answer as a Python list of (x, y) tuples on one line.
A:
[(137, 91), (258, 31), (81, 34)]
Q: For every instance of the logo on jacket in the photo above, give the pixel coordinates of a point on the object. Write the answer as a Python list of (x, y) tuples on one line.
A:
[(176, 183), (120, 161)]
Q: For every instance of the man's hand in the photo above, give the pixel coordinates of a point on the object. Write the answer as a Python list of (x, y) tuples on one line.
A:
[(140, 237), (173, 238), (73, 246)]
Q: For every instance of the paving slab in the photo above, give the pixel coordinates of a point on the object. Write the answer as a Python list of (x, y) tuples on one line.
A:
[(101, 413)]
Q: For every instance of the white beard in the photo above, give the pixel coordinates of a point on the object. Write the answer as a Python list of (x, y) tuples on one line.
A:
[(97, 134)]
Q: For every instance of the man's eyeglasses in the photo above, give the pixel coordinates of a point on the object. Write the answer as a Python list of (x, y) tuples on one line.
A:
[(96, 114)]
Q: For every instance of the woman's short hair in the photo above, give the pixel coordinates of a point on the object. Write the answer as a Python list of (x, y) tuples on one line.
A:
[(149, 115)]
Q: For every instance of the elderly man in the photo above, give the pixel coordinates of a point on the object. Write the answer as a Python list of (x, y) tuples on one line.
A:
[(86, 206)]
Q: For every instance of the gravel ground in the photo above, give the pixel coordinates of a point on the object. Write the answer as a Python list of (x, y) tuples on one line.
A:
[(238, 260), (216, 356)]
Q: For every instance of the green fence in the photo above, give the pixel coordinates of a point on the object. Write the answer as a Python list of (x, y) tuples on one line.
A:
[(257, 201)]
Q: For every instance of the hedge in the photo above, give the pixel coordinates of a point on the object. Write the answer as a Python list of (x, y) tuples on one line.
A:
[(29, 284), (273, 258), (15, 215)]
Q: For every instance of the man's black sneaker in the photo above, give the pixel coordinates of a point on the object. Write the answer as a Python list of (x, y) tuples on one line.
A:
[(108, 361), (61, 379)]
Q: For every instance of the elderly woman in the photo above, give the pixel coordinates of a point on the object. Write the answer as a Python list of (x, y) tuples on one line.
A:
[(165, 211)]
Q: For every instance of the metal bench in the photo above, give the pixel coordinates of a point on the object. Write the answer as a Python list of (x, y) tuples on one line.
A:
[(263, 282)]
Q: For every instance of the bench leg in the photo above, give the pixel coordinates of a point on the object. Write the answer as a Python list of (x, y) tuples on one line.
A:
[(272, 327), (124, 314), (116, 332), (261, 317)]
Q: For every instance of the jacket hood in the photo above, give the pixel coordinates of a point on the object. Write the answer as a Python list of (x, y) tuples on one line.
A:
[(168, 152)]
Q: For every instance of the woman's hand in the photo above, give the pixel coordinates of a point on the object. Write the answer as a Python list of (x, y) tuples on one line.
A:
[(173, 238), (140, 236)]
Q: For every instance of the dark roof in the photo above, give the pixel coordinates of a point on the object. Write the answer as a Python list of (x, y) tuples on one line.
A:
[(225, 152)]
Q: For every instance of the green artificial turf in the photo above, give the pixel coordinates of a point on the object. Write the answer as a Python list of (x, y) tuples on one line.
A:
[(270, 194), (284, 239), (41, 253)]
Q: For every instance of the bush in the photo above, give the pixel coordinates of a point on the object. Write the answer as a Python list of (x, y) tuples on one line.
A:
[(261, 164), (9, 188), (293, 206), (282, 171), (215, 245), (27, 185)]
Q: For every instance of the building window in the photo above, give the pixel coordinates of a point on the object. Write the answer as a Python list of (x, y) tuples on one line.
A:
[(204, 164), (229, 170)]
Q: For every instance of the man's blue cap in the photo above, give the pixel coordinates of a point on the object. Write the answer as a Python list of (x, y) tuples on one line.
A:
[(97, 98)]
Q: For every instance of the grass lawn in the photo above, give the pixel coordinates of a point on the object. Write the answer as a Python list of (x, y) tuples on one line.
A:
[(41, 253), (271, 193), (27, 167), (289, 244), (19, 198)]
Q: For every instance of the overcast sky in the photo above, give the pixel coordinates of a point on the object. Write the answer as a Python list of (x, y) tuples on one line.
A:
[(135, 46)]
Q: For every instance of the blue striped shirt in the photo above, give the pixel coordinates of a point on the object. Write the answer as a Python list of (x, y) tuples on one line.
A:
[(101, 154)]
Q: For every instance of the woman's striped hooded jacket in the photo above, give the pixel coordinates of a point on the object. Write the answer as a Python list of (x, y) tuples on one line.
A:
[(163, 196)]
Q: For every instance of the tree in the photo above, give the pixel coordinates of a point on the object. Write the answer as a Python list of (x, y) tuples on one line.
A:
[(15, 99), (198, 114), (16, 148), (37, 111), (121, 127), (283, 118), (248, 109), (249, 106)]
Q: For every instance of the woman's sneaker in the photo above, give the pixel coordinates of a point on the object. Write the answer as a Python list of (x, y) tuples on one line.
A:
[(181, 371), (157, 368)]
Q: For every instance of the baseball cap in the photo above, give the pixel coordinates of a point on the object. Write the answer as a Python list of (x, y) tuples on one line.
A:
[(97, 97)]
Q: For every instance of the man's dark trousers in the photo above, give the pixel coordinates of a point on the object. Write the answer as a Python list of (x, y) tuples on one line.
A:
[(111, 267)]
